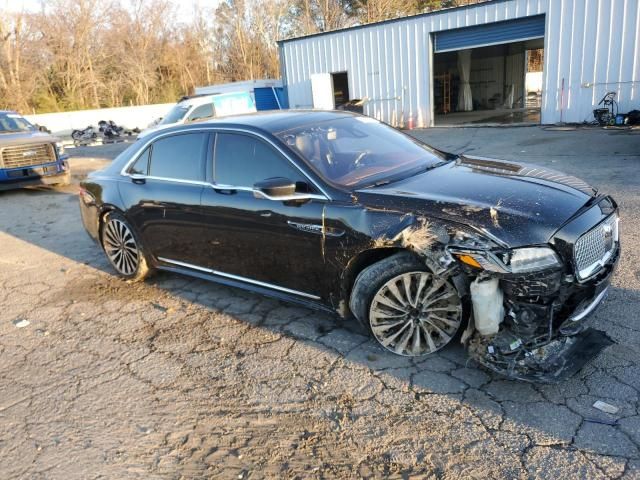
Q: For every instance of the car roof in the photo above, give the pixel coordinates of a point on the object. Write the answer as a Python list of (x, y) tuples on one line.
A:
[(275, 121), (196, 100), (203, 98)]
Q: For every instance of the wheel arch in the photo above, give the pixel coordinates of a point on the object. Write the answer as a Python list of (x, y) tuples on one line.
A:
[(102, 213), (355, 266)]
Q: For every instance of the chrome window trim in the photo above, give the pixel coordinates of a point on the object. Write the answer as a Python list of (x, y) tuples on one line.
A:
[(137, 176), (237, 277), (211, 129)]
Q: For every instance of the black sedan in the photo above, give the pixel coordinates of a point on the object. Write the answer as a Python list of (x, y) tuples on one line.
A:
[(340, 212)]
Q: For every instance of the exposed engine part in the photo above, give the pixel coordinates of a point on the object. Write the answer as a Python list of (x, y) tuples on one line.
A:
[(527, 320), (488, 310)]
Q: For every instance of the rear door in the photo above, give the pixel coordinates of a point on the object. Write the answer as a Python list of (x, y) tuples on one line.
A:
[(163, 191)]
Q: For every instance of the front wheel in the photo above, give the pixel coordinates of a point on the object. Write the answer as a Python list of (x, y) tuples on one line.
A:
[(408, 309), (124, 251)]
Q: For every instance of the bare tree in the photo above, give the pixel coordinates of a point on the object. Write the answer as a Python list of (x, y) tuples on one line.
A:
[(74, 54)]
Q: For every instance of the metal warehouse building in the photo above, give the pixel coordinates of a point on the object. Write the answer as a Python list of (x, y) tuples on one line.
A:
[(502, 61)]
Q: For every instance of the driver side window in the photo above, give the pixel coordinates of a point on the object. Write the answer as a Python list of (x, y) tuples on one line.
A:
[(243, 160)]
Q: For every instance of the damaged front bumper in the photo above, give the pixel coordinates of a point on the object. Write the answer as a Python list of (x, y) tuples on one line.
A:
[(543, 336)]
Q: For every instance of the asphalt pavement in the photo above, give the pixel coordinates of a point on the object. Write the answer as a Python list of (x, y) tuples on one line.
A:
[(178, 378)]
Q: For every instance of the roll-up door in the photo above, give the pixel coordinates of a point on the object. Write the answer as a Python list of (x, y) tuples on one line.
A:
[(266, 98), (517, 30)]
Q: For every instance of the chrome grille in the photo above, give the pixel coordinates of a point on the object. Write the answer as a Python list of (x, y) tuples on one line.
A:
[(594, 248), (28, 155)]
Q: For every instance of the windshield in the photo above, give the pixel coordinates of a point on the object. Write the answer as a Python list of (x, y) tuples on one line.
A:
[(12, 122), (176, 114), (358, 151)]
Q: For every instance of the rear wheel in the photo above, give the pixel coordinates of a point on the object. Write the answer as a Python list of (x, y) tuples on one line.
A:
[(123, 249), (408, 309)]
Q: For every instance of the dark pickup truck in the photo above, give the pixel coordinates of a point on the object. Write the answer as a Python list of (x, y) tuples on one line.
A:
[(29, 157)]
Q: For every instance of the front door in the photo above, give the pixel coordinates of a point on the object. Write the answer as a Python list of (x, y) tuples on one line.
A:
[(262, 240)]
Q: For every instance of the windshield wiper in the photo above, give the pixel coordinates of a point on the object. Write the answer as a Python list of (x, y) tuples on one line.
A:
[(411, 173), (380, 183)]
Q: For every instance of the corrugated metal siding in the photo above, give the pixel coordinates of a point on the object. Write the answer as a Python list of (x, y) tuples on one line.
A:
[(594, 45), (489, 34), (593, 42), (283, 98)]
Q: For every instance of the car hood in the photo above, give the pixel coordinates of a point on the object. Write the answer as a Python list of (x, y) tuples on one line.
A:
[(517, 203), (26, 138)]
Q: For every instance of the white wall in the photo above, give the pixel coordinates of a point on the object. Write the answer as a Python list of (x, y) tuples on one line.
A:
[(595, 42), (248, 85), (62, 123), (586, 41)]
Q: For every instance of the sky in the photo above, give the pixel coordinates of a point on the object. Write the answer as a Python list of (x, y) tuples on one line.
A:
[(184, 14)]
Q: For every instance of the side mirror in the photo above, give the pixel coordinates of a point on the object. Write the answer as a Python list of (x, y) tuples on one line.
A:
[(274, 188), (138, 178)]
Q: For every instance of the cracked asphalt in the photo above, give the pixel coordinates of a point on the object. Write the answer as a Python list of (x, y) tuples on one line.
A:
[(177, 378)]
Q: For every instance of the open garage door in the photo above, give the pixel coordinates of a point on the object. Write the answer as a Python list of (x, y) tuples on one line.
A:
[(518, 30), (485, 74)]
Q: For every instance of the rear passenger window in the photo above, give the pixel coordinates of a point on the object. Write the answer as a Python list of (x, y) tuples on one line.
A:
[(141, 165), (179, 157)]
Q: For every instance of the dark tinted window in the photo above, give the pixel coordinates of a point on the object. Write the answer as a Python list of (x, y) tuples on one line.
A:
[(141, 165), (179, 157), (201, 112), (242, 160)]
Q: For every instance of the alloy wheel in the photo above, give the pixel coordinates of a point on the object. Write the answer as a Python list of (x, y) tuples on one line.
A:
[(415, 313), (121, 247)]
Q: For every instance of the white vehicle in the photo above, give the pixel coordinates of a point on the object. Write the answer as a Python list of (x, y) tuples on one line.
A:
[(203, 107)]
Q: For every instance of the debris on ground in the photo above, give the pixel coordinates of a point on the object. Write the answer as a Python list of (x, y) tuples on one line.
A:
[(606, 407), (21, 323), (600, 421)]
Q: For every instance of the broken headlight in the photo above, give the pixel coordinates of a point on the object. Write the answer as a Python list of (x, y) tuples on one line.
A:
[(518, 260), (531, 259)]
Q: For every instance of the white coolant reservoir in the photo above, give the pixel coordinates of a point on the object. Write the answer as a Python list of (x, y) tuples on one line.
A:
[(488, 310)]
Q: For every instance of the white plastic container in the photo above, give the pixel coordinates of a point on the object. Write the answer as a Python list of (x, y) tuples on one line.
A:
[(488, 310)]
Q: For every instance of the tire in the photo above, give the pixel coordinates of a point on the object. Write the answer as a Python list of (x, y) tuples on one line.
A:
[(418, 324), (123, 248)]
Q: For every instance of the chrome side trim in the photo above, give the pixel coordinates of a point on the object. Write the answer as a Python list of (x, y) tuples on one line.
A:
[(165, 179), (214, 129), (258, 193), (589, 308), (237, 277)]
